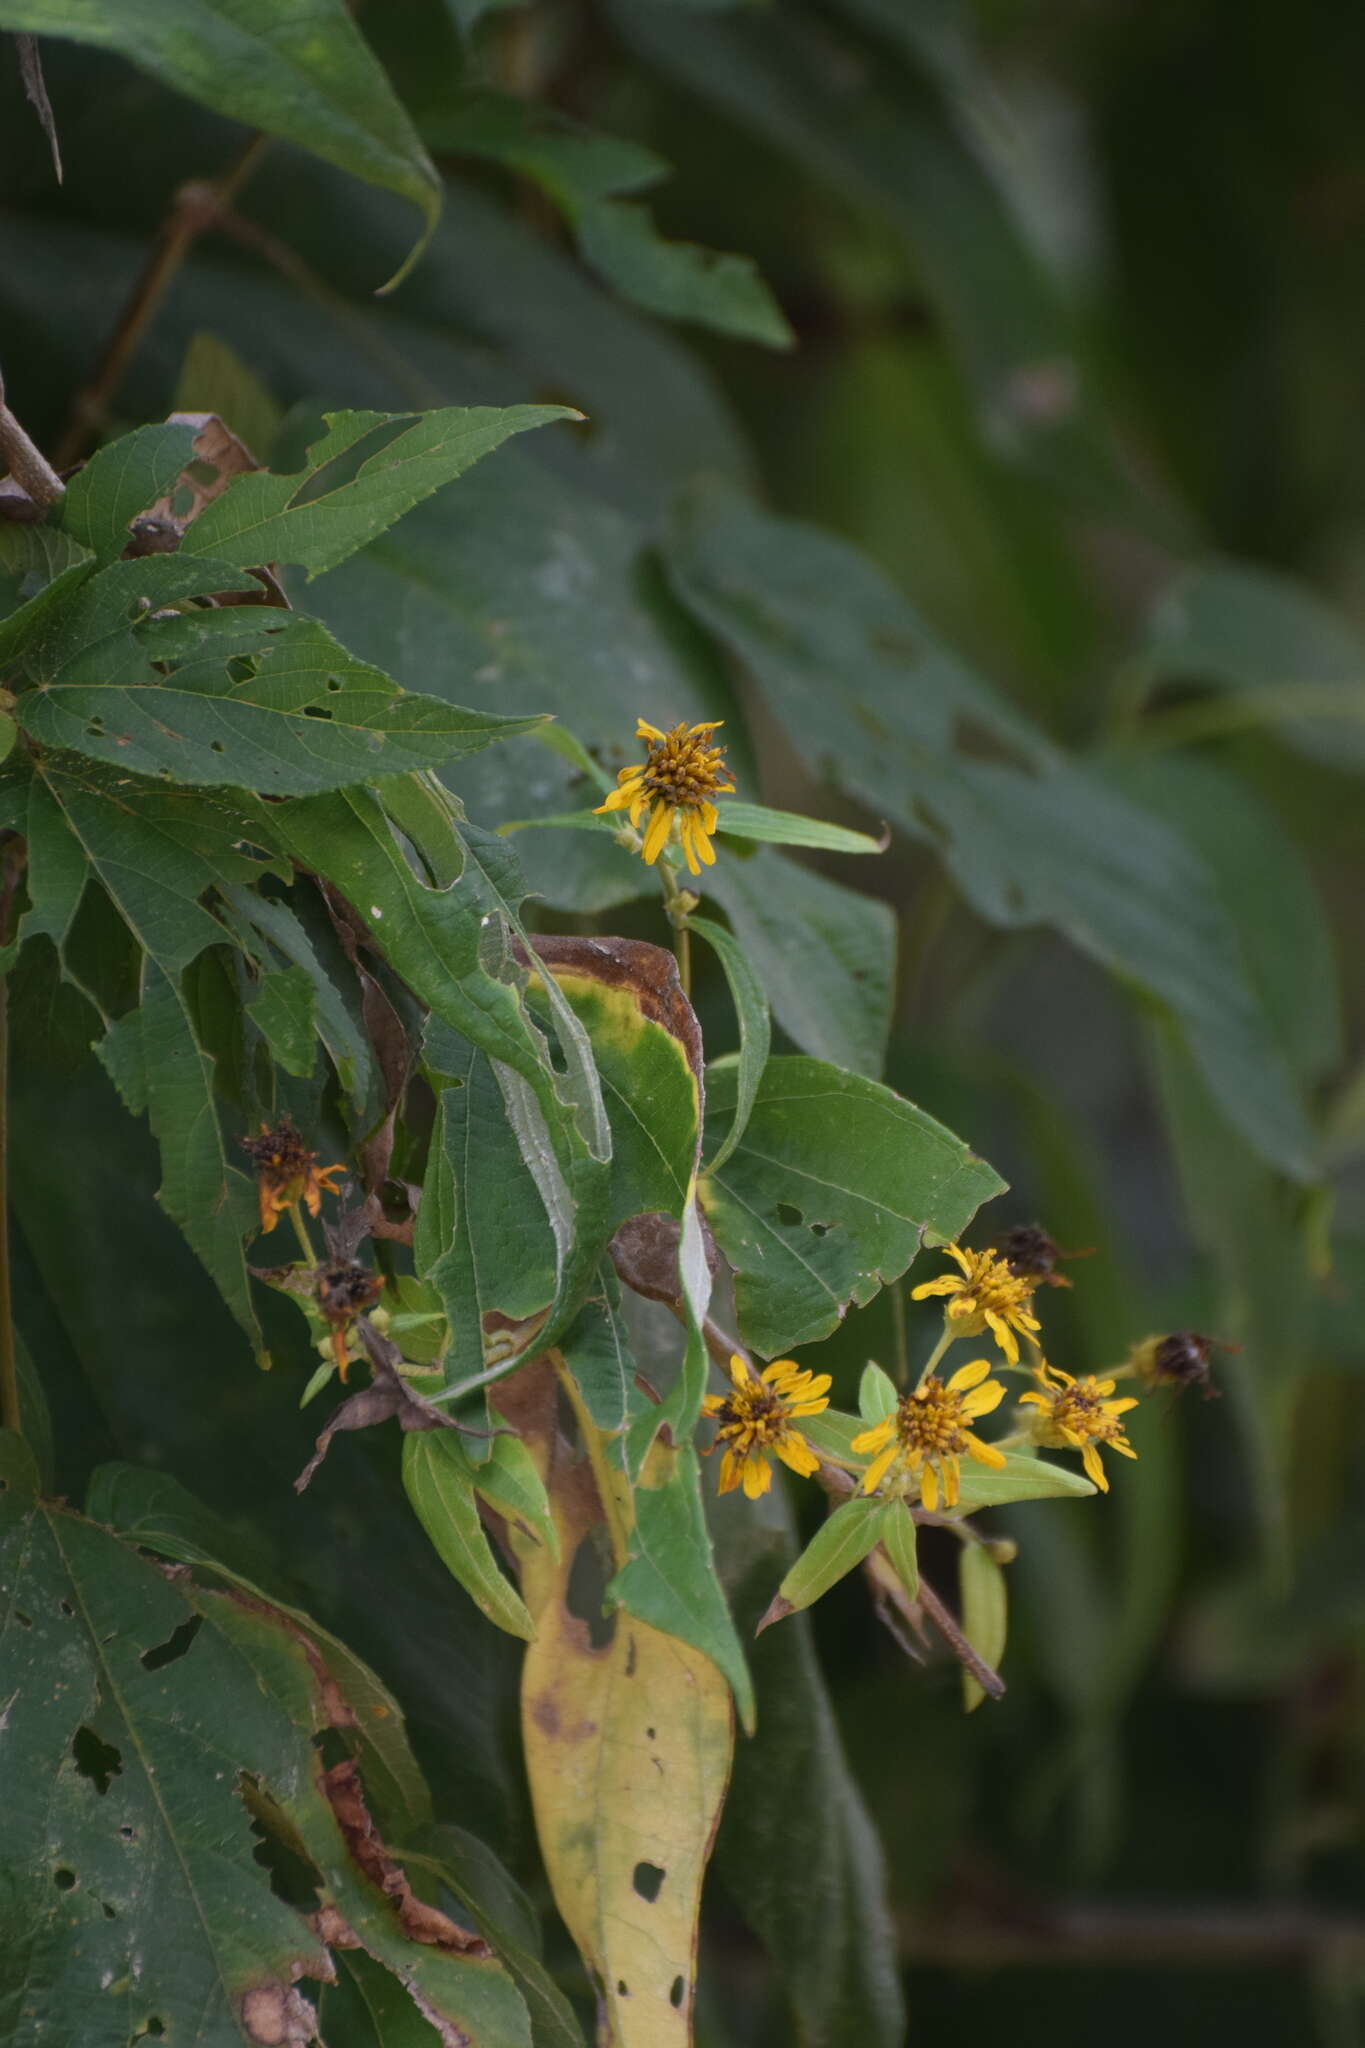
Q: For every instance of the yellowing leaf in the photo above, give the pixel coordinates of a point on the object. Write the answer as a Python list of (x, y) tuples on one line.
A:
[(628, 1734)]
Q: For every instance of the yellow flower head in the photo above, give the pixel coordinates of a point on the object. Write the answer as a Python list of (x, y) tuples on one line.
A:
[(755, 1419), (286, 1172), (682, 773), (986, 1294), (1078, 1415), (928, 1431)]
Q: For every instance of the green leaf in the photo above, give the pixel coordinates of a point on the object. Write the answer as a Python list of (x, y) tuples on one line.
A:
[(1289, 659), (899, 1538), (784, 828), (56, 869), (157, 1513), (124, 1842), (582, 172), (249, 697), (1021, 1477), (317, 519), (436, 1477), (596, 1348), (121, 480), (32, 558), (283, 1011), (306, 75), (877, 1396), (840, 1543), (508, 1479), (825, 954), (269, 928), (828, 1195), (984, 1613), (670, 1579), (1030, 837), (755, 1026)]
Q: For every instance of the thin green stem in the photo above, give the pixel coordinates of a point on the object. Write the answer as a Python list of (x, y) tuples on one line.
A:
[(948, 1337), (899, 1339), (301, 1232), (9, 1364), (682, 946)]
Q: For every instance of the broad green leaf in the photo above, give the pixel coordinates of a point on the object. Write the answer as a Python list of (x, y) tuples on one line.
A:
[(841, 1542), (877, 1396), (797, 1849), (31, 560), (126, 1843), (825, 954), (320, 514), (984, 1613), (828, 1195), (482, 1236), (637, 1725), (120, 481), (670, 1579), (157, 1513), (1030, 836), (583, 173), (436, 1475), (755, 1026), (283, 1011), (270, 928), (596, 1349), (1289, 659), (898, 1538), (56, 870), (306, 75)]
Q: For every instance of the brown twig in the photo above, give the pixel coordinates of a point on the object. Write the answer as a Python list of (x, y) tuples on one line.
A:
[(195, 207), (26, 465)]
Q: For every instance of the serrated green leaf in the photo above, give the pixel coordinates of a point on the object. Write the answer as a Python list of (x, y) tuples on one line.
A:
[(120, 481), (755, 1026), (984, 1613), (868, 693), (877, 1396), (898, 1535), (825, 954), (436, 1478), (828, 1195), (307, 75), (283, 1011), (840, 1543), (318, 521), (268, 927), (32, 558), (159, 1862), (56, 869)]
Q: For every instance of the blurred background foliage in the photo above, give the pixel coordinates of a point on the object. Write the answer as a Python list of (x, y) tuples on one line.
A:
[(1072, 391)]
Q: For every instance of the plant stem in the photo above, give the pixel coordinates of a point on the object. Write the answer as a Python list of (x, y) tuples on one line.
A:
[(25, 463), (682, 946), (949, 1337), (898, 1335), (602, 1473), (9, 1365), (301, 1232)]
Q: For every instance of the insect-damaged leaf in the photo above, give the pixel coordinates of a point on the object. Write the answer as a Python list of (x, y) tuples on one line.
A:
[(155, 1731), (628, 1736), (828, 1194)]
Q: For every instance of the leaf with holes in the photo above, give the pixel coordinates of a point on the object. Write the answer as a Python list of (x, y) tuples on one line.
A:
[(628, 1736), (828, 1195), (121, 480), (246, 696), (155, 1732), (350, 491)]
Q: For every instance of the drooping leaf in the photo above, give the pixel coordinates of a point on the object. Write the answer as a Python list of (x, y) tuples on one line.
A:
[(755, 1026), (825, 954), (828, 1195), (1031, 837), (439, 1483), (317, 519), (307, 75), (898, 1537), (132, 1864), (267, 926), (984, 1613), (634, 1725), (283, 1011)]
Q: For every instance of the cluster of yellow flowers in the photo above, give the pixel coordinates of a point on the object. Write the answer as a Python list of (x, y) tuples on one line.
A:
[(916, 1450)]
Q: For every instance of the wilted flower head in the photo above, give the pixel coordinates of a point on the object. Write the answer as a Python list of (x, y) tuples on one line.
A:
[(286, 1172), (985, 1295)]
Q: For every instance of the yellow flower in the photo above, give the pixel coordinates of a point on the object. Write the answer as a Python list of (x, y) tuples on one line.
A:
[(1077, 1415), (756, 1417), (286, 1172), (928, 1430), (681, 774), (985, 1295)]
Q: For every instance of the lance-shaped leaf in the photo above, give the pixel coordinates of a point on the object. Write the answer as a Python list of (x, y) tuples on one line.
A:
[(249, 697), (985, 1613), (828, 1195), (304, 73), (149, 1723), (838, 1545), (627, 1736), (440, 1484), (317, 519), (755, 1026), (871, 696), (898, 1540)]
